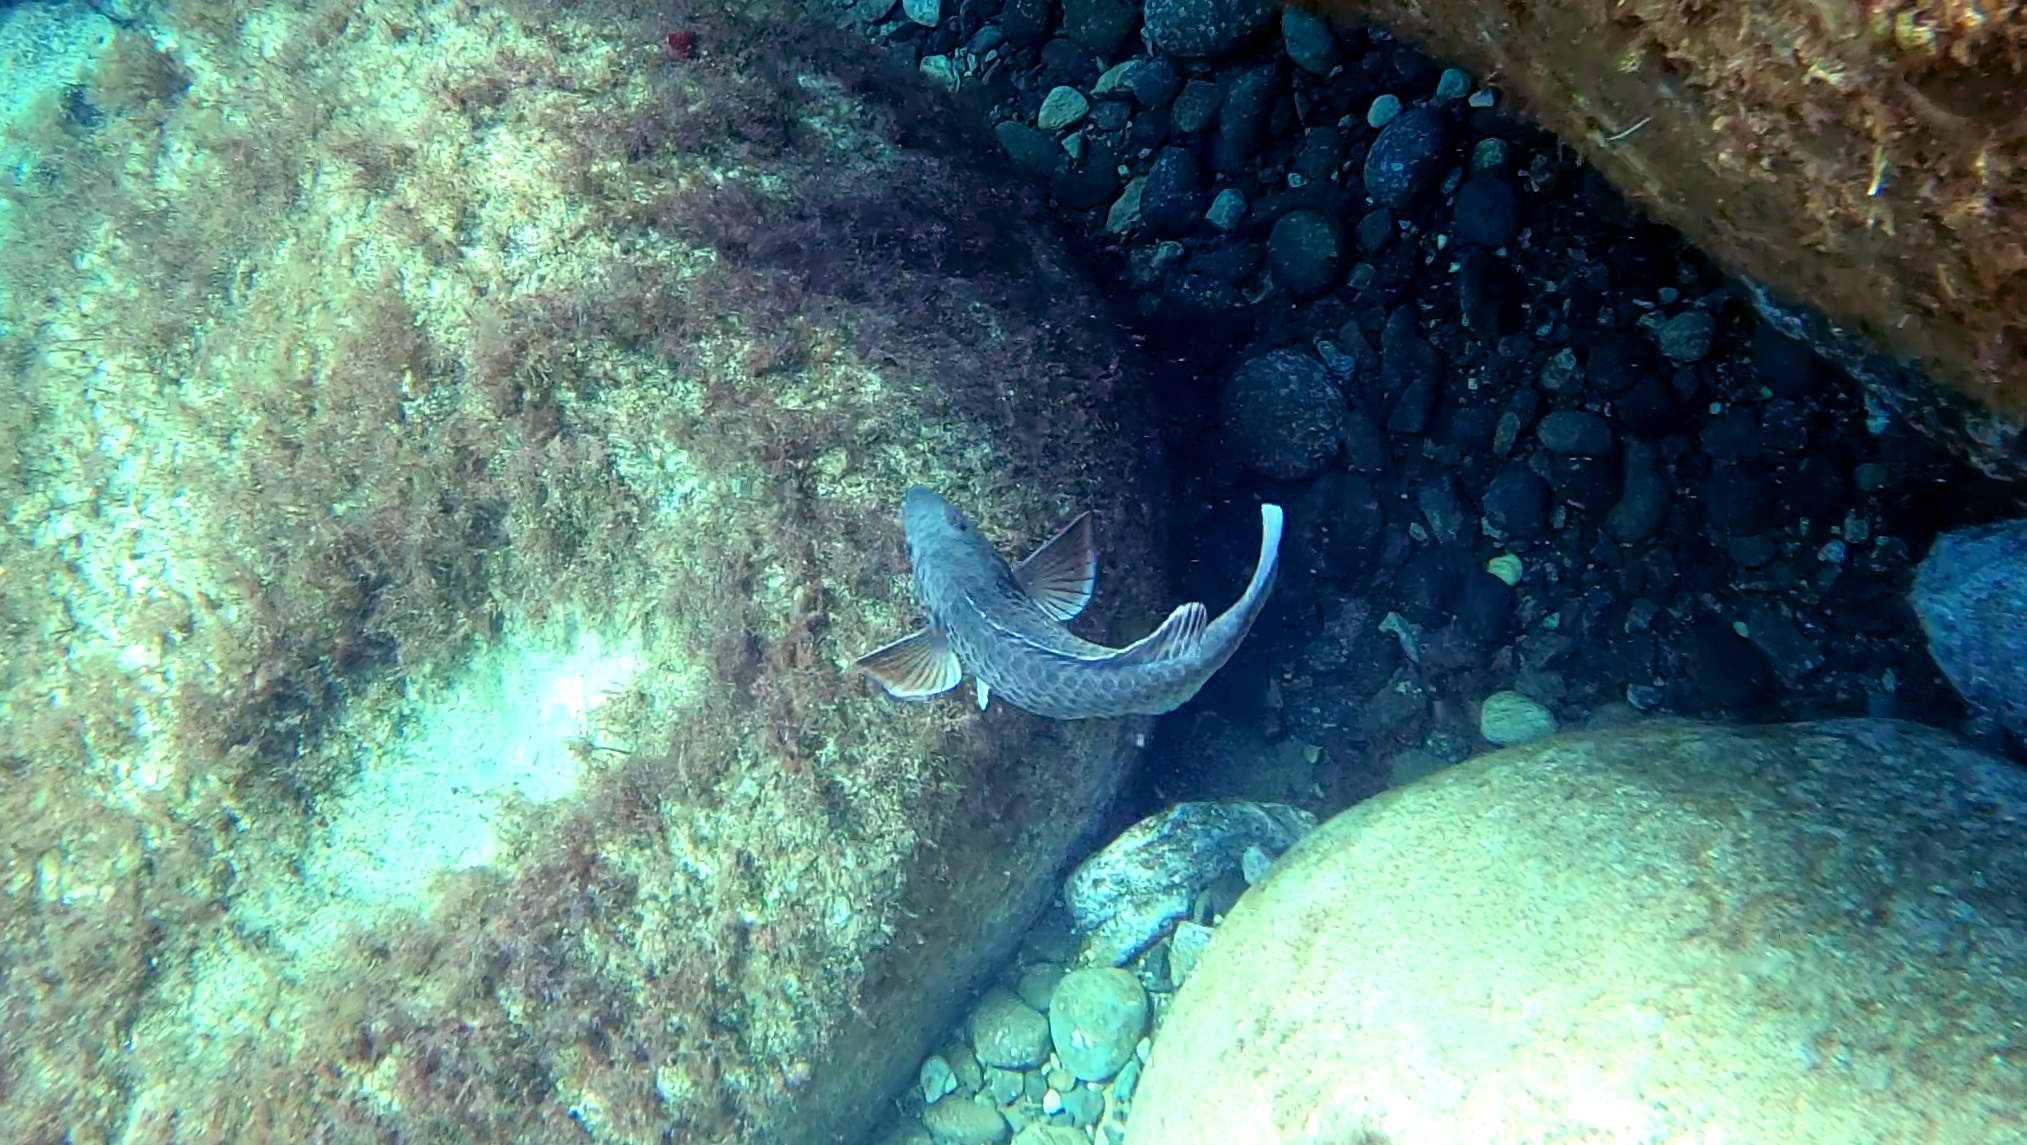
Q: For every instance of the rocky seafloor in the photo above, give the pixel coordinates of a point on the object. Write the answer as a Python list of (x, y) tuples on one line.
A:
[(1546, 465)]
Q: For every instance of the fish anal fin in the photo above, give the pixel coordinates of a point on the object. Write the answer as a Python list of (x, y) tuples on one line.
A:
[(1179, 635), (1059, 575), (917, 665)]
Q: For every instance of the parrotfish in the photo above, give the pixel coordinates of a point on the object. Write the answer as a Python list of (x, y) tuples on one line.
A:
[(1004, 624)]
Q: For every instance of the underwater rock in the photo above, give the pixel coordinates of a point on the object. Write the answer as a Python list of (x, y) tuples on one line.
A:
[(436, 694), (1128, 893), (1797, 935), (1971, 595), (1883, 213)]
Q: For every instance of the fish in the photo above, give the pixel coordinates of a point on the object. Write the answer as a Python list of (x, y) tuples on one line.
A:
[(1004, 624)]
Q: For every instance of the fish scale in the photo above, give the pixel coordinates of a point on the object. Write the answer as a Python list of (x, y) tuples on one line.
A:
[(1003, 624)]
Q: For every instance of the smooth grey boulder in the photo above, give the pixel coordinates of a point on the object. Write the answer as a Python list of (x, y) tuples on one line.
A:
[(1812, 934), (1971, 595)]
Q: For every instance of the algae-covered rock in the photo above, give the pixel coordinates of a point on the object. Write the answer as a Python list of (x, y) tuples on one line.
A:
[(452, 458), (1856, 157), (1802, 935)]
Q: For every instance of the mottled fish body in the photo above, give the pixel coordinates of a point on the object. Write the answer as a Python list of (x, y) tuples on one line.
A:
[(1004, 624)]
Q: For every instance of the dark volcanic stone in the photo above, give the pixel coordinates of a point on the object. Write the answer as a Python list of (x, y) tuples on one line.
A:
[(1517, 503), (1426, 587), (1485, 607), (1064, 61), (1487, 211), (1034, 151), (1616, 363), (1093, 183), (1724, 669), (1309, 40), (1111, 114), (1230, 261), (1209, 308), (1203, 28), (1242, 118), (1283, 415), (1305, 249), (1575, 432), (1171, 203), (1735, 496), (1025, 22), (1149, 130), (1411, 373), (1488, 292), (1196, 106), (1155, 83), (1100, 25), (1650, 409), (1818, 489), (1405, 157), (1322, 153)]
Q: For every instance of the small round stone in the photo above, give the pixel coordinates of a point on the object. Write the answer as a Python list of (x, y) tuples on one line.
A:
[(1509, 718), (958, 1120), (1062, 107), (1008, 1033), (1097, 1017), (1382, 111), (1283, 415)]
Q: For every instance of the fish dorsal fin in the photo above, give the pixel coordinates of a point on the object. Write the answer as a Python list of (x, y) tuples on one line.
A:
[(1059, 575), (1179, 635), (917, 665)]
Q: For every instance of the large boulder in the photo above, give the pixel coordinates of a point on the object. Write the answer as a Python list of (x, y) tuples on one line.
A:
[(452, 462), (1803, 935), (1855, 158)]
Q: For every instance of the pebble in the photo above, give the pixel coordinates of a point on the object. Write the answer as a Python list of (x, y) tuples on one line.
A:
[(1196, 29), (1507, 567), (1489, 154), (1509, 718), (1643, 499), (1283, 415), (1097, 1017), (1404, 158), (1453, 84), (1227, 210), (1384, 110), (1305, 249), (936, 1079), (1099, 26), (1127, 894), (1125, 214), (1062, 107), (1309, 41), (1038, 983), (1171, 202), (1517, 502), (941, 71), (1185, 947), (957, 1120), (927, 13), (1033, 150), (1196, 105), (1008, 1033), (1575, 432), (1687, 336), (1487, 210)]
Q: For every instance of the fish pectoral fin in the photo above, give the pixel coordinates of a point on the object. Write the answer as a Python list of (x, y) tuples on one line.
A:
[(1179, 635), (917, 665), (984, 693), (1059, 575)]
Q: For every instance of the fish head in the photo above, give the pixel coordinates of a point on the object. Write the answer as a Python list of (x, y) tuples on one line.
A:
[(931, 522)]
